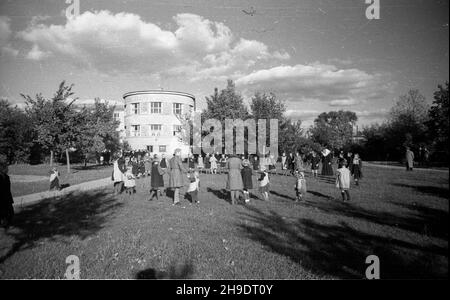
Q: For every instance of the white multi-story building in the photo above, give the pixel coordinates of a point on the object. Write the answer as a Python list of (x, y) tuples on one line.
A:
[(150, 120)]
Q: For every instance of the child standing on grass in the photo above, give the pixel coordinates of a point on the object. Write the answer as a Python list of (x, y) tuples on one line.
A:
[(213, 161), (343, 180), (194, 186), (300, 186), (356, 167), (54, 180), (246, 173), (264, 184), (130, 181), (315, 160), (223, 163), (156, 179)]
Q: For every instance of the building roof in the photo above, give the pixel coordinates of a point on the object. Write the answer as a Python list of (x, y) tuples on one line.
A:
[(158, 92)]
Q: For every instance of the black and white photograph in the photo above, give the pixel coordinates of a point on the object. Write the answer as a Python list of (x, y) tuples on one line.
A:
[(219, 141)]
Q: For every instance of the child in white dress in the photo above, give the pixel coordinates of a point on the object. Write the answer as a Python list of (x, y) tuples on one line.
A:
[(343, 180), (129, 181)]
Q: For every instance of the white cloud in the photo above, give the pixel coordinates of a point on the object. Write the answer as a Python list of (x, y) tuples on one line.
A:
[(124, 42), (344, 102), (5, 37), (326, 83), (36, 53)]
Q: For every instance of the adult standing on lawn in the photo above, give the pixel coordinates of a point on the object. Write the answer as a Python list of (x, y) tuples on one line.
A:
[(234, 180), (6, 199), (291, 162), (176, 170), (409, 159), (327, 169), (117, 176)]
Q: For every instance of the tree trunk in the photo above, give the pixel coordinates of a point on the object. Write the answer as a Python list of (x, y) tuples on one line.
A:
[(51, 158), (68, 161)]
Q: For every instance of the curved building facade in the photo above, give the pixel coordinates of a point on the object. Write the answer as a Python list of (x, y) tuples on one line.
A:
[(151, 122)]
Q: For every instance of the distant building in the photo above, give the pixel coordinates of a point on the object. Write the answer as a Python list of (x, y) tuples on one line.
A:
[(149, 120)]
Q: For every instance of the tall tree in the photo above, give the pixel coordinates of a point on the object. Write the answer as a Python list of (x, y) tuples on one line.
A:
[(438, 122), (16, 132), (407, 120), (226, 104), (334, 129), (54, 121), (97, 130)]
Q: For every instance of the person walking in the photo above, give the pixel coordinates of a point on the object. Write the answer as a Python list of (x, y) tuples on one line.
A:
[(343, 180), (234, 178), (176, 172), (247, 180), (409, 159), (356, 168), (264, 183), (156, 179)]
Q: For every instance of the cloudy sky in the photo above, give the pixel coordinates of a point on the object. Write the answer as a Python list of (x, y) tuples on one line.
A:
[(316, 55)]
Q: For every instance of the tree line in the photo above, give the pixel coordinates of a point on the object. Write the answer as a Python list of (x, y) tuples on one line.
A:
[(57, 128)]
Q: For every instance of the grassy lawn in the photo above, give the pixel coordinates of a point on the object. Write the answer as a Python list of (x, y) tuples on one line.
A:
[(78, 174), (402, 217)]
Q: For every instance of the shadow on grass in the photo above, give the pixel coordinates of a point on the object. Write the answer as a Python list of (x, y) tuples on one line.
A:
[(327, 179), (319, 194), (338, 250), (91, 167), (220, 193), (176, 271), (429, 190), (425, 221), (75, 214), (282, 195)]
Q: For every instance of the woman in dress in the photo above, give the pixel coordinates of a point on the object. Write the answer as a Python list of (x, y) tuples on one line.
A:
[(234, 180), (327, 169), (176, 171)]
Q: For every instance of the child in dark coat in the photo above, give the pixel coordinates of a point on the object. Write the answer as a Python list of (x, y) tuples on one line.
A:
[(157, 179)]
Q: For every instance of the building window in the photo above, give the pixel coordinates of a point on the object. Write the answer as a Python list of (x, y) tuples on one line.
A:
[(155, 107), (177, 108), (176, 129), (155, 129), (116, 117), (150, 148), (135, 108), (135, 130), (162, 148)]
